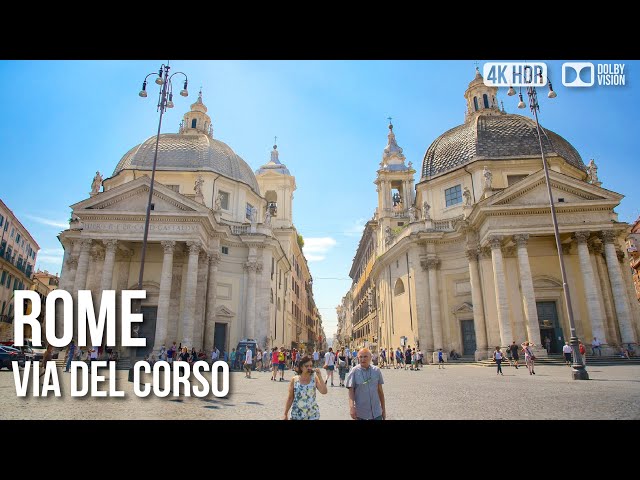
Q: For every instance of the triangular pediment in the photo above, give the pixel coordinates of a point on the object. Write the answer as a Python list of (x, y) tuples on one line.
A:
[(532, 191), (132, 197), (223, 311), (464, 307)]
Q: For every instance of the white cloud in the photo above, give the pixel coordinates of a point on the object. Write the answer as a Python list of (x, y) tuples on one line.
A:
[(316, 248), (355, 230), (46, 221)]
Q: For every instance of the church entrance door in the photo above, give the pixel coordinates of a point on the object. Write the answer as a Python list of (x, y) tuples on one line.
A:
[(549, 325), (220, 337), (468, 337)]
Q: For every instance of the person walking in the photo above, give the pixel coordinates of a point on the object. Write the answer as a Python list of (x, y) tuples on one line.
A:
[(514, 353), (248, 362), (497, 357), (274, 363), (547, 344), (329, 364), (440, 359), (302, 392), (342, 366), (529, 357), (316, 357), (567, 351), (583, 353), (366, 396), (71, 351)]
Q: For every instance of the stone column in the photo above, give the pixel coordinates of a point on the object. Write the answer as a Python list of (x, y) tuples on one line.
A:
[(80, 282), (499, 279), (425, 329), (189, 307), (111, 246), (605, 291), (478, 305), (528, 294), (627, 332), (201, 300), (70, 266), (162, 318), (432, 264), (210, 322), (250, 326), (594, 307)]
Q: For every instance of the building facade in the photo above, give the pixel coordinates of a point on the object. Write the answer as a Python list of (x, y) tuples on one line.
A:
[(18, 254), (217, 254), (633, 248), (470, 261)]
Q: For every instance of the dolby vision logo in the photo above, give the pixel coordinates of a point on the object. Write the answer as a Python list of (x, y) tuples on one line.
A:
[(578, 74)]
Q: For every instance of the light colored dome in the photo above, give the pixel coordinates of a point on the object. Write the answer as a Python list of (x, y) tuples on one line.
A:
[(491, 136), (193, 152)]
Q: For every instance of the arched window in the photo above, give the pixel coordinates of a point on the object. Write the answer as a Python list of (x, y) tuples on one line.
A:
[(194, 122), (399, 288), (475, 103), (485, 100)]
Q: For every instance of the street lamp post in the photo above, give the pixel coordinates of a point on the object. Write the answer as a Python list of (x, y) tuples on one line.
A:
[(578, 370), (165, 100)]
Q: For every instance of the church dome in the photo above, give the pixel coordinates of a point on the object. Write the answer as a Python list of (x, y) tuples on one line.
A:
[(494, 137), (490, 133), (192, 149)]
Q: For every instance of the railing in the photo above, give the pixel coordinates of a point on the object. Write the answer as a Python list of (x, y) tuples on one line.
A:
[(239, 229), (392, 212), (446, 225)]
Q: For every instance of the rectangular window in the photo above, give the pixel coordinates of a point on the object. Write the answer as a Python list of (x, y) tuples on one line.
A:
[(453, 195), (9, 252), (3, 246), (225, 250), (13, 231), (3, 278), (511, 179), (224, 200), (1, 220), (18, 239), (15, 283), (248, 211)]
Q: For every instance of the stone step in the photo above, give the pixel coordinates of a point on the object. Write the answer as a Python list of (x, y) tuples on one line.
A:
[(123, 364)]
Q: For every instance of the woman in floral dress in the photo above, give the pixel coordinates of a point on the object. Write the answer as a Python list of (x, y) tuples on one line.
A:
[(302, 392)]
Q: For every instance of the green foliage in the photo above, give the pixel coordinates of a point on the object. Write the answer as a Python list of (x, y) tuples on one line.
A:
[(300, 241)]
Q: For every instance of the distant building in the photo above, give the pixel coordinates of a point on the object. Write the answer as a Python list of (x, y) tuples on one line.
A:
[(18, 252), (43, 283), (633, 248), (466, 259)]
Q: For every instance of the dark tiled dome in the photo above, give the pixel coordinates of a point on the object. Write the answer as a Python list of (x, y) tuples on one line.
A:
[(197, 152), (493, 136)]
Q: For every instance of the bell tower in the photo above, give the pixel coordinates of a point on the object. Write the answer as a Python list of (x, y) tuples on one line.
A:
[(395, 187), (196, 120), (277, 186)]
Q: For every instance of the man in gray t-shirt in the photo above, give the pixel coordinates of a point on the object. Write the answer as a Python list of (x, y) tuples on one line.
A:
[(366, 398)]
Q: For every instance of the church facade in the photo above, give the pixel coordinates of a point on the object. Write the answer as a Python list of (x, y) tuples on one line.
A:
[(467, 259), (221, 245)]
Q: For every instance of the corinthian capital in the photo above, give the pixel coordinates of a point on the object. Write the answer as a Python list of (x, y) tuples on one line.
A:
[(110, 245), (85, 244), (433, 263), (608, 236), (423, 264), (168, 246), (582, 236), (214, 258), (521, 239), (194, 247), (251, 266), (472, 254), (259, 267), (495, 241)]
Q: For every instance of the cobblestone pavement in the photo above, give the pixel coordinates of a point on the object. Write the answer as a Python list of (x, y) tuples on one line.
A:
[(457, 392)]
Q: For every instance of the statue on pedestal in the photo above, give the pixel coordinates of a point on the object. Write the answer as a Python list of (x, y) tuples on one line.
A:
[(467, 196), (592, 173), (96, 184), (488, 178), (425, 211)]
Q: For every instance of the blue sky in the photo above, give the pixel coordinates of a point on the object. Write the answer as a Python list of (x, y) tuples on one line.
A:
[(63, 120)]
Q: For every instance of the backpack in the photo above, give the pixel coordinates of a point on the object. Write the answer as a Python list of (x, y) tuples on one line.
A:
[(342, 364)]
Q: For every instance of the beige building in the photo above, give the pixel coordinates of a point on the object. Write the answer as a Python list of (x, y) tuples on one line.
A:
[(633, 247), (219, 251), (43, 283), (471, 262), (18, 253)]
